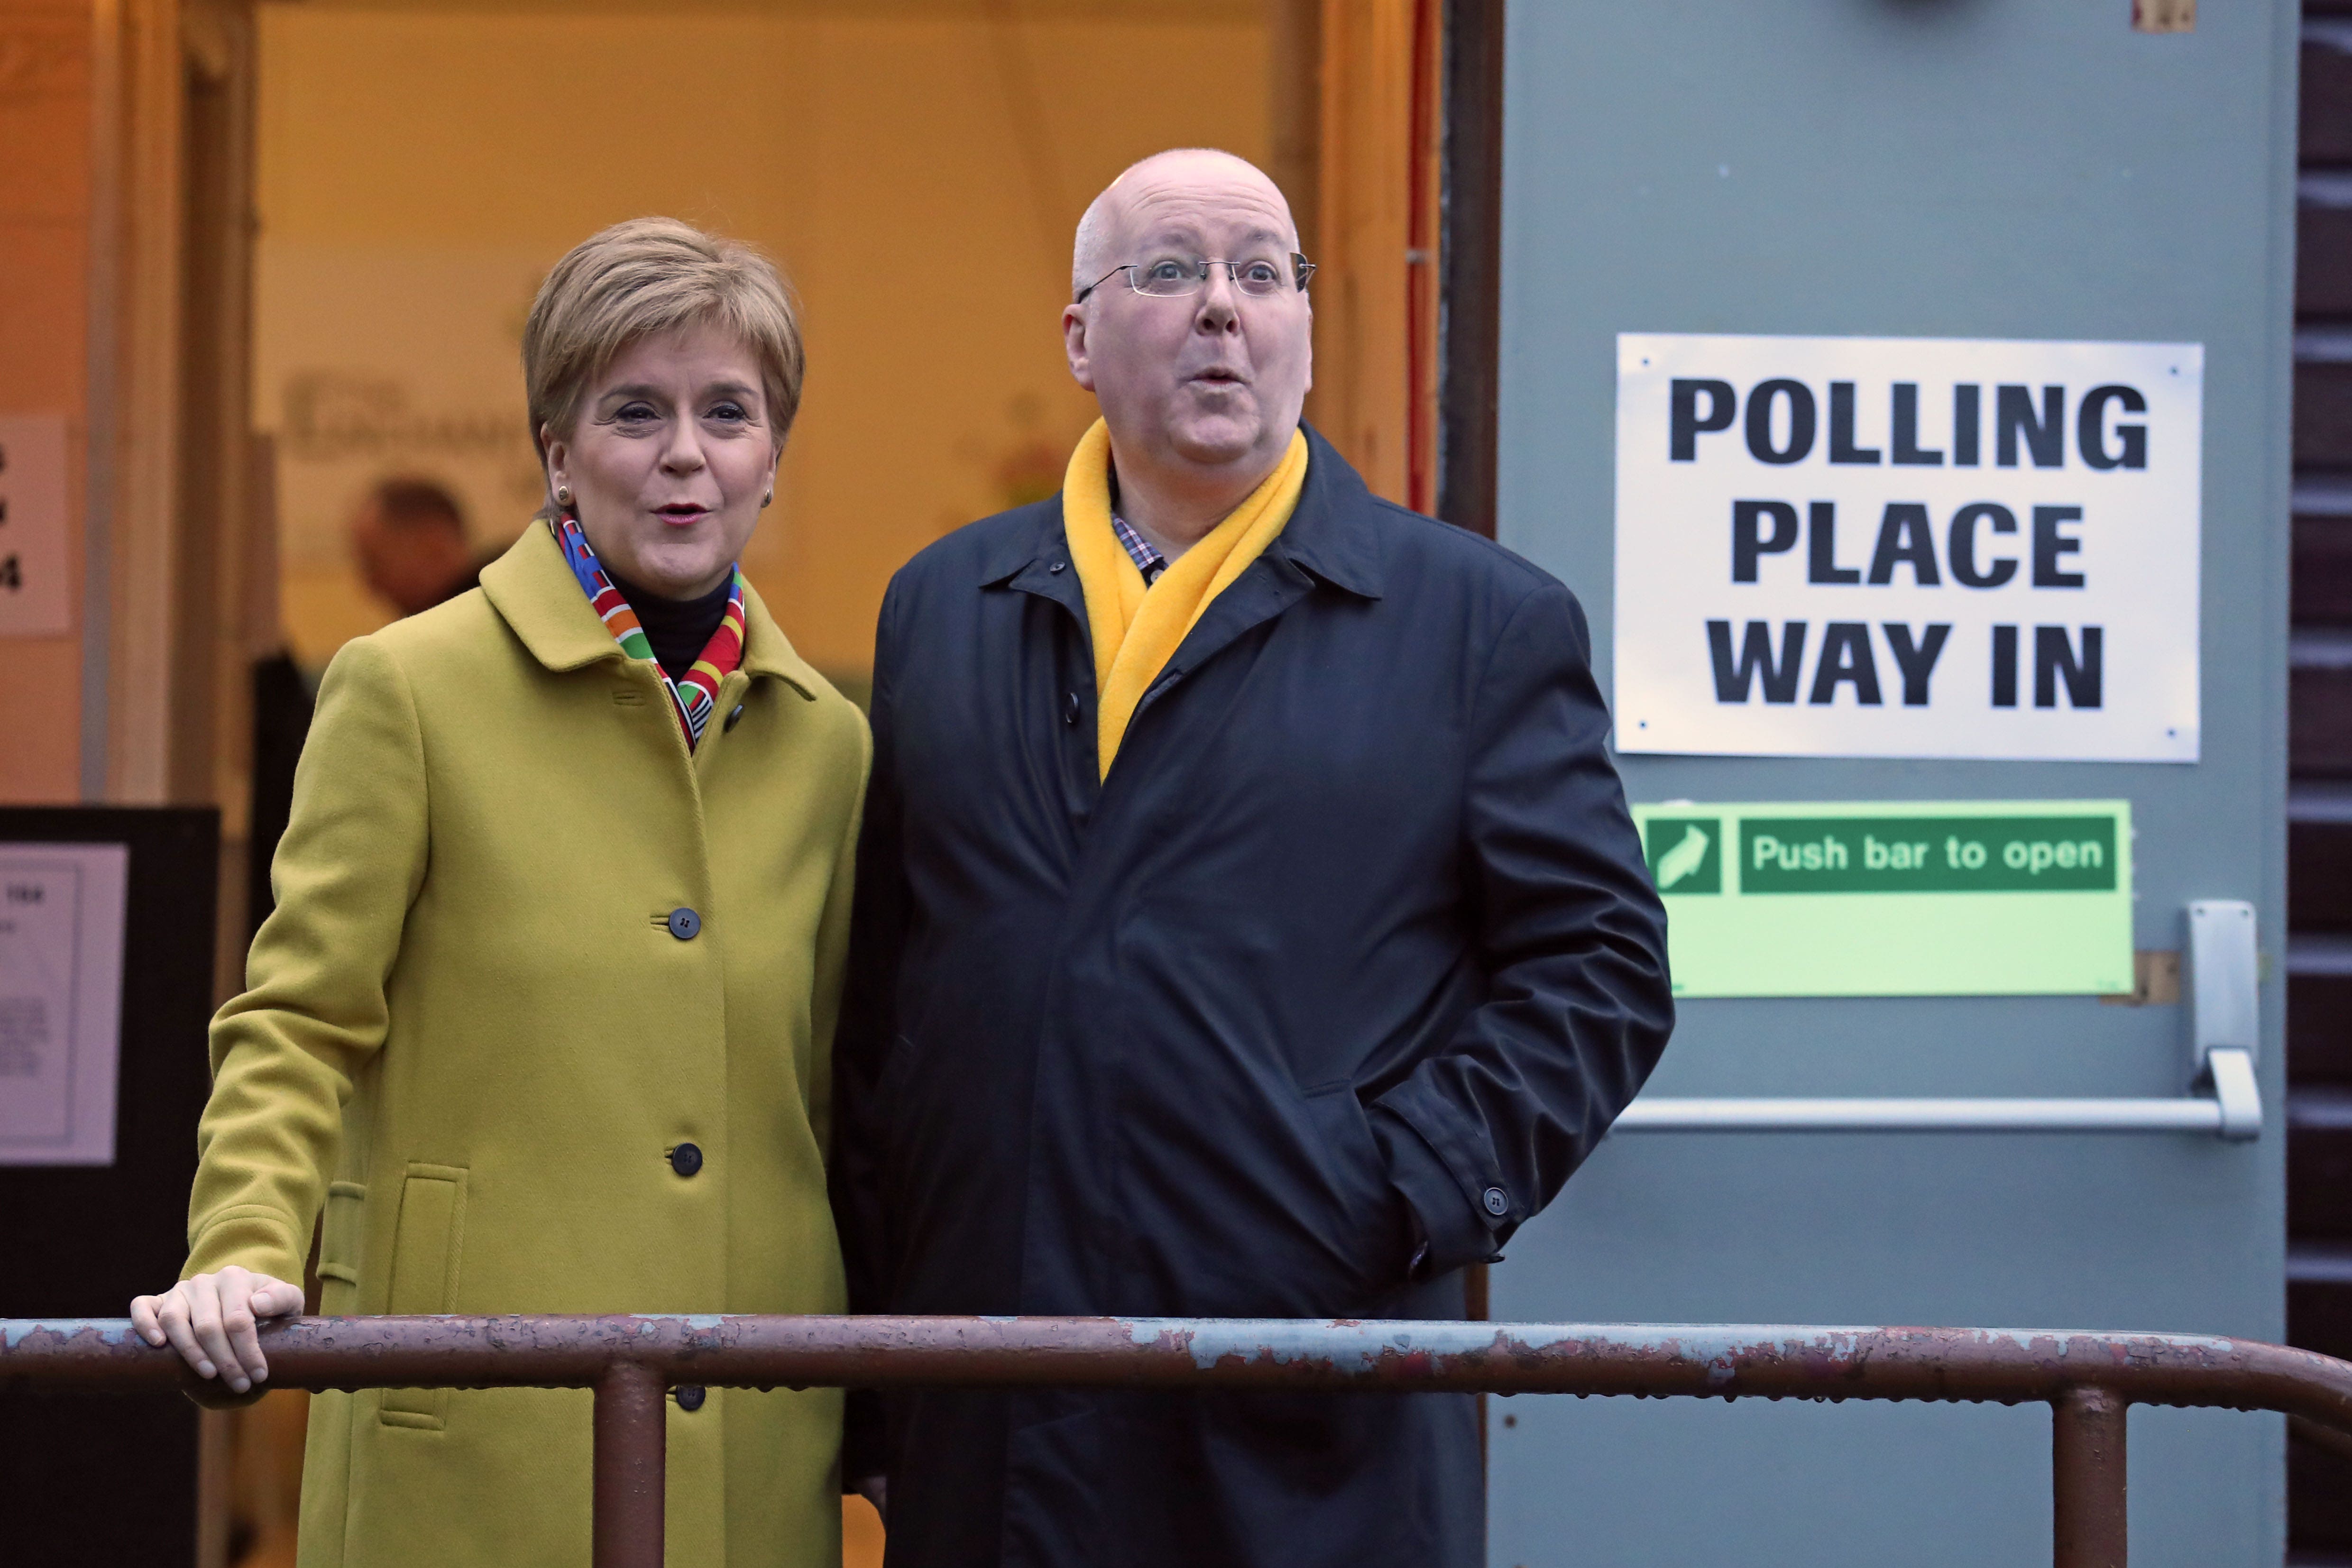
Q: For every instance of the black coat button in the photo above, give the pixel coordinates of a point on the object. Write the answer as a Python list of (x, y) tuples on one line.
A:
[(733, 719), (1057, 566), (1498, 1202), (690, 1396), (685, 1159), (1070, 707), (684, 923)]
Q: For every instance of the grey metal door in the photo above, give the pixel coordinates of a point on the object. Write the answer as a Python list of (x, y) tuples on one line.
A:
[(1949, 169)]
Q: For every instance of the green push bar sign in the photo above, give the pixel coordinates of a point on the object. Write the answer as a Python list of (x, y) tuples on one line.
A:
[(1894, 898)]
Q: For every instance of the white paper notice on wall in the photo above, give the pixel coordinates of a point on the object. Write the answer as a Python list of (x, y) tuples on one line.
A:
[(33, 601), (1907, 547), (61, 908)]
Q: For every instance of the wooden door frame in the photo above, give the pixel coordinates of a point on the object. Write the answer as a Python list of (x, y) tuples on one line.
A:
[(160, 699), (1407, 201), (1470, 257)]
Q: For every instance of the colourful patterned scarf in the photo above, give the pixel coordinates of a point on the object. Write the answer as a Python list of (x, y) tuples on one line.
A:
[(693, 694)]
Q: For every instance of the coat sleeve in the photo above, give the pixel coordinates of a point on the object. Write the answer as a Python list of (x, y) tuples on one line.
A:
[(862, 1043), (285, 1053), (1484, 1133)]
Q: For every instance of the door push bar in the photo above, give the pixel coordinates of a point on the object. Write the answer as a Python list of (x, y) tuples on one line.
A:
[(2222, 1098)]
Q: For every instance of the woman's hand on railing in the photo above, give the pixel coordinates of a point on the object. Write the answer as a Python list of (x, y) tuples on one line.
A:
[(210, 1319)]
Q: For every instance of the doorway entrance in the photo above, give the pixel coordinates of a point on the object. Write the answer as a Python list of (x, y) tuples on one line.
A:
[(917, 169)]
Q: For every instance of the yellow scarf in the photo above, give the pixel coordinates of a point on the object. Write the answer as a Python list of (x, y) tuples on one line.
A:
[(1138, 628)]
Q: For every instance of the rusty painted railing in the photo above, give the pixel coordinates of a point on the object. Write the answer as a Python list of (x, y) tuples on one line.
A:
[(2089, 1380)]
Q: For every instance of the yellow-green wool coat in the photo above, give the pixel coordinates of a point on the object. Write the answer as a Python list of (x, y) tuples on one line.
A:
[(468, 1011)]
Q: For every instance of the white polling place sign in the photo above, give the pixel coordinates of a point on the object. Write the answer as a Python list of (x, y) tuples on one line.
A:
[(1907, 547)]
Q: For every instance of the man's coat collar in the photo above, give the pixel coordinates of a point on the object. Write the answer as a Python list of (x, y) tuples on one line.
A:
[(1320, 540)]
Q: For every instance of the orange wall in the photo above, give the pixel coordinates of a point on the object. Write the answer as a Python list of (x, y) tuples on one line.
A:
[(918, 170), (45, 115)]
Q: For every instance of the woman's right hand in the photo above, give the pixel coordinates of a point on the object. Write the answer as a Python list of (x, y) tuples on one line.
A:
[(211, 1320)]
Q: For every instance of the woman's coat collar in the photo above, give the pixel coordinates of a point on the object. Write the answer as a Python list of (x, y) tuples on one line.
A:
[(534, 592)]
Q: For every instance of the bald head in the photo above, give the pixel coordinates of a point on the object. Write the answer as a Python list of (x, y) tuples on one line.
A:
[(1200, 382), (1182, 176)]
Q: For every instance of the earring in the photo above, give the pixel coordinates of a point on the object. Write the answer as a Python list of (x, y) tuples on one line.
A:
[(769, 499), (563, 495)]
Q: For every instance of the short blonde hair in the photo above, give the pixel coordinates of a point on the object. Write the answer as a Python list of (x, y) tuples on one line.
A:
[(649, 275)]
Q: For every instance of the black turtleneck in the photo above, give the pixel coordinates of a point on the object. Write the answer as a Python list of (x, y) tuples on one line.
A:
[(679, 629)]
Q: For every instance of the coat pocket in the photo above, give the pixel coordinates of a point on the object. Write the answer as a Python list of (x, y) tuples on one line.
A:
[(1367, 1216), (427, 1243), (339, 1248)]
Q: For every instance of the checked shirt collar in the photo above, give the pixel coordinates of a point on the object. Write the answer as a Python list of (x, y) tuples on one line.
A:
[(1147, 561)]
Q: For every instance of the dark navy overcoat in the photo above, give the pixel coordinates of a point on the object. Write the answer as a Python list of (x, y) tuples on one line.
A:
[(1352, 957)]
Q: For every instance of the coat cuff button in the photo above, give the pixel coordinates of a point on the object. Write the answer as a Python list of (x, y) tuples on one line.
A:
[(685, 1159), (690, 1396), (1497, 1201)]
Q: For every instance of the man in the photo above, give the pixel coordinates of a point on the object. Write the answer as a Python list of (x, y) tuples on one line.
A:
[(409, 540), (1249, 924)]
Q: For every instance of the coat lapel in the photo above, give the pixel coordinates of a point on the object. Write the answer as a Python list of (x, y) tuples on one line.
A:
[(767, 652), (1265, 590), (1316, 545)]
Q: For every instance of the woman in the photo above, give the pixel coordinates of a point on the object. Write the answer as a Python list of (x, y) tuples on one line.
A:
[(543, 1015)]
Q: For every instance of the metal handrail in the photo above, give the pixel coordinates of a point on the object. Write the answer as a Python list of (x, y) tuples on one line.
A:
[(2225, 1029), (2088, 1379), (2232, 1112)]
